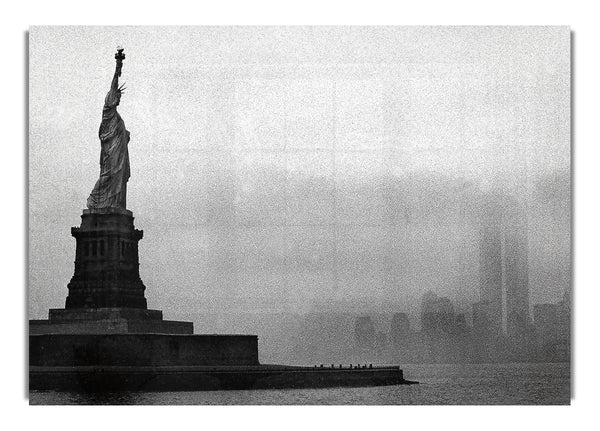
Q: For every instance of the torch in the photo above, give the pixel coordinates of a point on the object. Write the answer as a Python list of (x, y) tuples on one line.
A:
[(119, 56)]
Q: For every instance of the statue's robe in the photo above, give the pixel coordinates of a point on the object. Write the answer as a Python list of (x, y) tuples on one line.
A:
[(111, 188)]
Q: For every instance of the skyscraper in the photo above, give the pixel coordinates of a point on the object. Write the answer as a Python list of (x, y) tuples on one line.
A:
[(490, 262), (515, 270), (546, 323), (503, 270)]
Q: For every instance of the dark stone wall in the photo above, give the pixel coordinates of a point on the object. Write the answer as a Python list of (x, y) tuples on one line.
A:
[(110, 326), (106, 262), (91, 379), (142, 349)]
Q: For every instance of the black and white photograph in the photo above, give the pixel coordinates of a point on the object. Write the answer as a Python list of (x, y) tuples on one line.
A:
[(299, 215)]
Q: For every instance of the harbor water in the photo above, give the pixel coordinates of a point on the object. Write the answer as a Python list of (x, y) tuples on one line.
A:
[(478, 384)]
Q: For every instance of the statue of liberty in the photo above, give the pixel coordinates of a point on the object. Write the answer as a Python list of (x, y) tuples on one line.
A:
[(111, 188)]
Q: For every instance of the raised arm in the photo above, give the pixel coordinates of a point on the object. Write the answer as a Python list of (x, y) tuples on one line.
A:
[(119, 56), (114, 85), (113, 97)]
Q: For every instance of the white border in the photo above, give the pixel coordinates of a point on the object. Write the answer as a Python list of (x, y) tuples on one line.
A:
[(583, 21)]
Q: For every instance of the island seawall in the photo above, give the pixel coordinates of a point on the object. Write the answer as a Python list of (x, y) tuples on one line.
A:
[(199, 378)]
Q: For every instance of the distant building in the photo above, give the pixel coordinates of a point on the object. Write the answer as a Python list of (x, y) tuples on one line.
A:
[(485, 333), (461, 324), (462, 341), (564, 328), (482, 322), (399, 329), (437, 314), (438, 328), (381, 341), (553, 329), (364, 332), (564, 317), (545, 317)]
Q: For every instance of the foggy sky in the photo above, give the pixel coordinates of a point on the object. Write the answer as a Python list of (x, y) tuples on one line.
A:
[(304, 168)]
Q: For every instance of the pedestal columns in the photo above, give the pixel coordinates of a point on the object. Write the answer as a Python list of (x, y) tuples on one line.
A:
[(106, 262)]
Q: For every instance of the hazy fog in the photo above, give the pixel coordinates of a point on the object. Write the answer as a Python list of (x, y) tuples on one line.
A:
[(298, 170)]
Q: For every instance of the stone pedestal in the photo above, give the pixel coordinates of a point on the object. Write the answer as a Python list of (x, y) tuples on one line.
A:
[(106, 262)]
